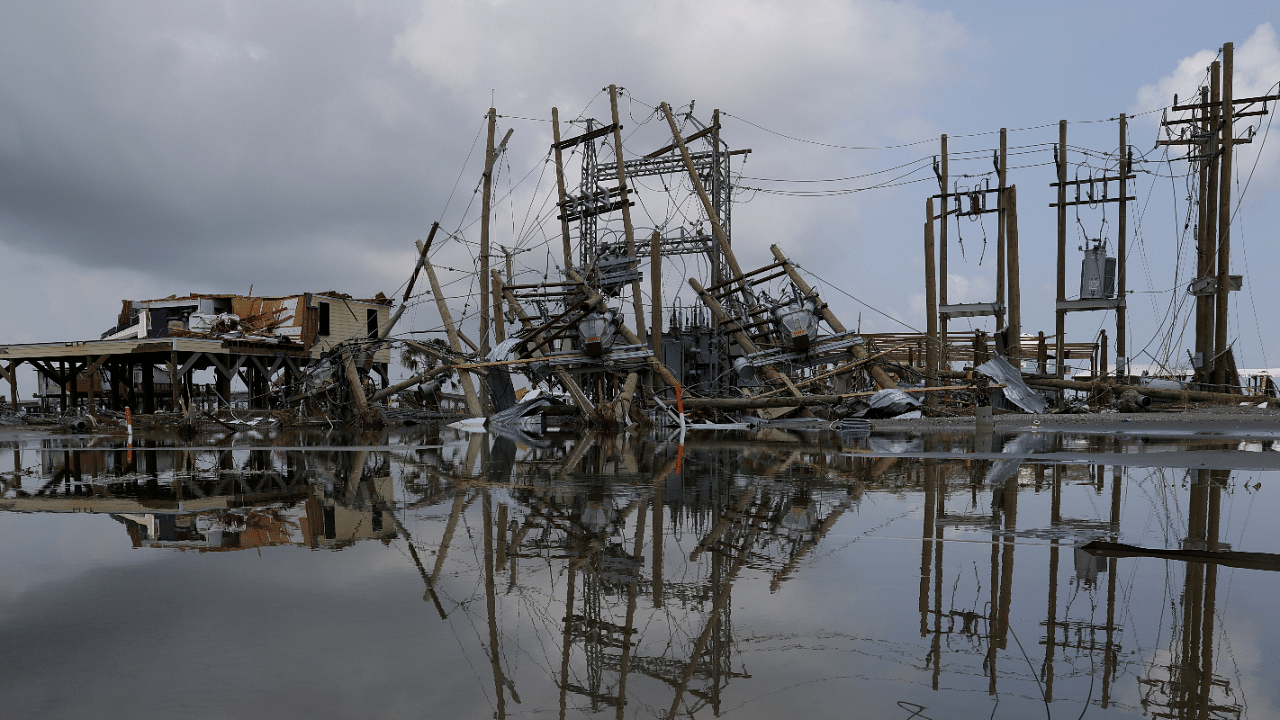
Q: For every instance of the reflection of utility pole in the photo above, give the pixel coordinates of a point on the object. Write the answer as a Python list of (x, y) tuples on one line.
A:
[(1110, 651), (1002, 583), (1189, 687), (633, 590), (499, 678), (721, 591), (934, 507), (1051, 621), (659, 492)]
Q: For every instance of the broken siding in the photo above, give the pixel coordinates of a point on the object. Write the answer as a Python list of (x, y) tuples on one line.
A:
[(348, 320)]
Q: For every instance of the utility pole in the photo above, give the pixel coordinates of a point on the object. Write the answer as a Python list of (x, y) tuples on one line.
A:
[(1002, 169), (629, 231), (1211, 133), (942, 258), (930, 300), (1060, 327), (561, 195), (485, 208), (1224, 226), (490, 157), (1207, 240), (1122, 356)]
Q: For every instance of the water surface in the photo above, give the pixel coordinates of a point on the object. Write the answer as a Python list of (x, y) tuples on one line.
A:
[(775, 573)]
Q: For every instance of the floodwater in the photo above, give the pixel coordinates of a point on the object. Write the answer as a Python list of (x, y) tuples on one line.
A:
[(762, 574)]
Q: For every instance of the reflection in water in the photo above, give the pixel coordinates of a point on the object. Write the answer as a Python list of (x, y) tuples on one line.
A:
[(663, 580)]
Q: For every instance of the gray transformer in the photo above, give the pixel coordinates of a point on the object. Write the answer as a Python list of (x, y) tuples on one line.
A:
[(1097, 274)]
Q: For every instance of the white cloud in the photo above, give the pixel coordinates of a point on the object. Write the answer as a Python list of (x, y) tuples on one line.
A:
[(1257, 73), (826, 54)]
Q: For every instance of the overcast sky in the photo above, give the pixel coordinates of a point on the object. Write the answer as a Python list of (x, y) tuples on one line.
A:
[(152, 148)]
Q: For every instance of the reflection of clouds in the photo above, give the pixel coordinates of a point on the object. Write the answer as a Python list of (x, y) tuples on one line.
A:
[(191, 632)]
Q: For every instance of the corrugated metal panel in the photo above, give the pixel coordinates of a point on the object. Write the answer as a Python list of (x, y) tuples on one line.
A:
[(999, 369)]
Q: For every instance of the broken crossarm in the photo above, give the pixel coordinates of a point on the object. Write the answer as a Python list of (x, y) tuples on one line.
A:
[(743, 341), (423, 249), (567, 381)]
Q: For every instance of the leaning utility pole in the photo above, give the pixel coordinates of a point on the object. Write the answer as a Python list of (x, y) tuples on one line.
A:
[(485, 208), (628, 230)]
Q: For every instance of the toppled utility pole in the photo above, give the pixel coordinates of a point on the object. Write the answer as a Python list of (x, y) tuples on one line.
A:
[(468, 388)]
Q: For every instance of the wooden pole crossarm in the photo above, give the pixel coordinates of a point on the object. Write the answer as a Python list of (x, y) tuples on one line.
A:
[(1097, 201), (852, 365), (597, 133), (1214, 105), (774, 266), (696, 136), (1090, 181)]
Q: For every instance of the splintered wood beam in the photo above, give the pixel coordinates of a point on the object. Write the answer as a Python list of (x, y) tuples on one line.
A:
[(423, 249), (597, 133)]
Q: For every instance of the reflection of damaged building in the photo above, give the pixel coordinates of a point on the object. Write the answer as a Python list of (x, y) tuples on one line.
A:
[(319, 522), (266, 342)]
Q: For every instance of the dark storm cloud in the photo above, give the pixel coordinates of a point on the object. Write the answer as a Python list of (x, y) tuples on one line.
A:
[(158, 130)]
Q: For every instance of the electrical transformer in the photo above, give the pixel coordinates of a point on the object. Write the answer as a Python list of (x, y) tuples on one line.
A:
[(1097, 274)]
